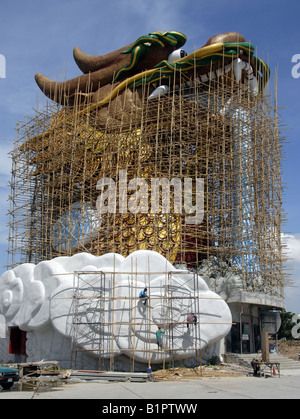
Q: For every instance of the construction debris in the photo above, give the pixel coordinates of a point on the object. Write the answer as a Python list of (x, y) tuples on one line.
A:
[(221, 370), (110, 376), (35, 369)]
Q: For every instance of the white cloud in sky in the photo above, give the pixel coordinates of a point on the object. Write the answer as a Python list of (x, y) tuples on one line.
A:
[(158, 15), (5, 176), (5, 166), (292, 251)]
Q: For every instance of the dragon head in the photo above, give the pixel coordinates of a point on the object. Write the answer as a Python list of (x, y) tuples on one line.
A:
[(158, 60)]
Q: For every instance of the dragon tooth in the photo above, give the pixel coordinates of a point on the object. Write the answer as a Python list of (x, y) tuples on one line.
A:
[(254, 85), (161, 90), (204, 78), (245, 65), (237, 69), (211, 75), (227, 68), (219, 71)]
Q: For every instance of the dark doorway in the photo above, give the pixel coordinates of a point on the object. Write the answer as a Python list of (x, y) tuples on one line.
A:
[(233, 341), (236, 342), (17, 341)]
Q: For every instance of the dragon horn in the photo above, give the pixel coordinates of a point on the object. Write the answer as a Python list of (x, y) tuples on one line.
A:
[(90, 63)]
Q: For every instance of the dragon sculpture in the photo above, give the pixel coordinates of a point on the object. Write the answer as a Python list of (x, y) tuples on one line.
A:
[(152, 59), (112, 88)]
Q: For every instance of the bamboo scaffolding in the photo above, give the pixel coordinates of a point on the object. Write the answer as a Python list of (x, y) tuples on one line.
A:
[(217, 131), (87, 288)]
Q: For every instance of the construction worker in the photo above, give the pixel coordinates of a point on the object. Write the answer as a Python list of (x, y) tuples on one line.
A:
[(191, 319), (159, 334), (143, 295), (255, 363)]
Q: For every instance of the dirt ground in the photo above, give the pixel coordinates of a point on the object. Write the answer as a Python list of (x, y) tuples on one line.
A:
[(222, 370), (288, 348)]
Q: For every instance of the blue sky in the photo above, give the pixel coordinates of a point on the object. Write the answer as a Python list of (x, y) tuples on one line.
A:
[(39, 36)]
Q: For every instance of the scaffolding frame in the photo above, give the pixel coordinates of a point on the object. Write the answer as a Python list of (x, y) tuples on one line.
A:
[(217, 131), (89, 287)]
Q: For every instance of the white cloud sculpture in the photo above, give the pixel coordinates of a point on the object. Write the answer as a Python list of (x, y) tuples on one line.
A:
[(107, 313)]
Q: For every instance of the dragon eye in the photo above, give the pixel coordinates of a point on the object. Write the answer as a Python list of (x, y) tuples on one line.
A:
[(176, 55)]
